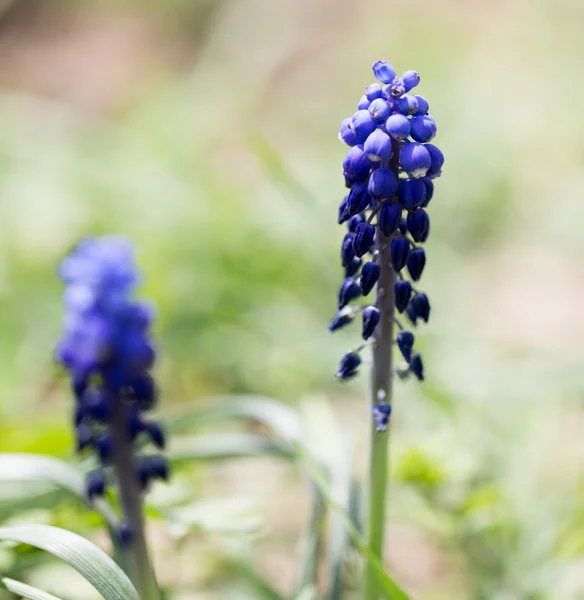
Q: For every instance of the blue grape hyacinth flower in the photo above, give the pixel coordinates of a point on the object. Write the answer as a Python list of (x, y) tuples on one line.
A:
[(107, 350), (389, 169)]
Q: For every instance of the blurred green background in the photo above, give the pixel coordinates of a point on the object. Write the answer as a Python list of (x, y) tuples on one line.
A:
[(205, 130)]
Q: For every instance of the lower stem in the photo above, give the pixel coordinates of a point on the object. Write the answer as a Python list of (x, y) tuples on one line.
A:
[(131, 504), (380, 393)]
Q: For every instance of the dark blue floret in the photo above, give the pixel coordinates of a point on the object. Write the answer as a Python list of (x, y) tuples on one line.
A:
[(415, 159), (369, 276), (358, 198), (84, 436), (364, 103), (411, 193), (398, 126), (353, 267), (381, 414), (125, 534), (403, 291), (419, 225), (104, 446), (382, 184), (423, 128), (429, 185), (422, 106), (403, 226), (417, 366), (377, 146), (421, 306), (411, 313), (95, 484), (354, 221), (364, 238), (347, 253), (156, 435), (371, 318), (144, 392), (400, 251), (344, 212), (437, 160), (348, 366), (363, 124), (96, 405), (405, 343), (340, 320), (348, 291), (389, 217)]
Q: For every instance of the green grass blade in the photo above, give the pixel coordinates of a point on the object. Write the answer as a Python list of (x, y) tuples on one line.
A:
[(22, 590), (261, 588), (86, 558)]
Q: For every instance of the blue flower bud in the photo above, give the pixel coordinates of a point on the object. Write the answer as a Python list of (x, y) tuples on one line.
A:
[(356, 165), (373, 91), (347, 253), (379, 109), (346, 134), (437, 160), (369, 276), (159, 467), (156, 435), (340, 320), (344, 212), (423, 128), (419, 225), (364, 238), (411, 193), (389, 217), (407, 104), (125, 534), (371, 316), (429, 190), (364, 103), (402, 291), (415, 159), (381, 414), (422, 106), (405, 343), (353, 267), (96, 405), (104, 447), (384, 71), (95, 484), (84, 436), (416, 263), (358, 198), (134, 425), (400, 251), (145, 392), (348, 291), (363, 124), (354, 221), (382, 184), (421, 306), (377, 146), (411, 79), (417, 366), (411, 313), (348, 366), (398, 126), (403, 226)]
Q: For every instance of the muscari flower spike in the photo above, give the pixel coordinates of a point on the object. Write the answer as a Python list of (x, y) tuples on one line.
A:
[(389, 170), (107, 351)]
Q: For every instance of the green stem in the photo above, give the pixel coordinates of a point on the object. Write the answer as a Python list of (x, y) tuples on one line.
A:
[(380, 392)]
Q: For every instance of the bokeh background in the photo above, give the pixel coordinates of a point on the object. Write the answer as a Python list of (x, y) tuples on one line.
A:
[(205, 131)]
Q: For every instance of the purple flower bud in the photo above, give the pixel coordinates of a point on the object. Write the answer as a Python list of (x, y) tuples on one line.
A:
[(364, 103), (402, 291), (437, 160), (411, 193), (407, 104), (346, 134), (421, 306), (416, 263), (400, 251), (405, 343), (384, 71), (381, 414), (369, 276), (422, 106), (417, 367), (340, 320), (411, 79), (423, 128), (398, 126), (347, 253), (344, 212), (364, 238), (373, 91), (358, 198), (382, 184), (356, 165), (429, 190), (389, 217), (363, 124), (353, 267), (377, 146), (419, 225), (415, 159), (379, 109), (354, 221), (95, 484), (348, 366), (371, 316), (348, 291)]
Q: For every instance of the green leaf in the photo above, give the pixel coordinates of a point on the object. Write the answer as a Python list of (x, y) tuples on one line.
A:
[(25, 591), (86, 558), (48, 470)]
